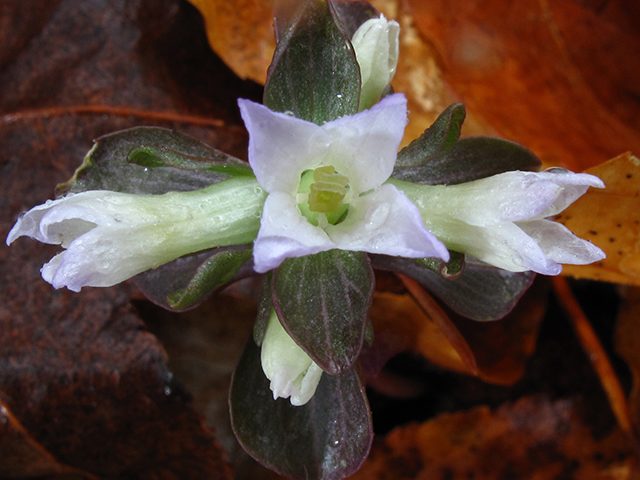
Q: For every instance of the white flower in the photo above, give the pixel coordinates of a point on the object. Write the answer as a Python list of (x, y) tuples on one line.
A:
[(376, 46), (501, 220), (111, 236), (291, 371), (349, 159)]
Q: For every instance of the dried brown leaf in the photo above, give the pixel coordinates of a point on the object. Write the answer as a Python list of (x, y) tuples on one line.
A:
[(241, 33), (80, 372), (531, 439), (495, 351), (628, 346), (558, 77)]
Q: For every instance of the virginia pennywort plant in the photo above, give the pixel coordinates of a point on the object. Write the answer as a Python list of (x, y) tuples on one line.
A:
[(326, 198)]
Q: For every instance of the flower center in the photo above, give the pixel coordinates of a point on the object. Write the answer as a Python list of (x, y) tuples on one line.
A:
[(325, 190)]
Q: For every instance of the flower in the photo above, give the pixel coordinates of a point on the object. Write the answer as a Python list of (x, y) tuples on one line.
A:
[(376, 46), (112, 236), (292, 373), (501, 220), (325, 185)]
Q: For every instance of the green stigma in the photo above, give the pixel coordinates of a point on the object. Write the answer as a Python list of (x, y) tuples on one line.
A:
[(326, 189)]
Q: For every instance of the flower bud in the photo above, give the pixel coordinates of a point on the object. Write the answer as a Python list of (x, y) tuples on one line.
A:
[(292, 373), (376, 47)]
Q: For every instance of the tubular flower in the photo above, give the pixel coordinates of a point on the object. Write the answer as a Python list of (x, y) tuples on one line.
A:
[(110, 236), (502, 220), (292, 373), (376, 47), (325, 185)]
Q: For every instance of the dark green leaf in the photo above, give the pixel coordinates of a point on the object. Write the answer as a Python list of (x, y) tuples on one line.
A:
[(314, 73), (164, 156), (264, 310), (451, 269), (326, 439), (440, 136), (470, 159), (159, 283), (322, 301), (481, 293), (106, 166), (219, 269)]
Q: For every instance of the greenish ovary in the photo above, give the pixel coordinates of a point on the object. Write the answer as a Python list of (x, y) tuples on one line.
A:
[(326, 189)]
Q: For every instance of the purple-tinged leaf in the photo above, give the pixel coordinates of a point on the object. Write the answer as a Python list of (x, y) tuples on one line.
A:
[(195, 277), (314, 73), (450, 270), (322, 301), (440, 136), (470, 159), (353, 14), (218, 270), (106, 166), (264, 310), (328, 438), (481, 293), (164, 156)]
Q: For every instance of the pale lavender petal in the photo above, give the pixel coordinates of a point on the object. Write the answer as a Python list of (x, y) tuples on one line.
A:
[(285, 233), (574, 185), (80, 212), (559, 244), (281, 146), (364, 147), (386, 222), (504, 246)]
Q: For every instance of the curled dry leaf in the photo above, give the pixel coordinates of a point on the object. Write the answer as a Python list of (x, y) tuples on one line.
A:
[(610, 218), (531, 439), (494, 351)]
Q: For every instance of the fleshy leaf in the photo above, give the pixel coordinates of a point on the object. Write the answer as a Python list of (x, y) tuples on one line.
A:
[(328, 438), (353, 14), (469, 159), (264, 310), (481, 293), (216, 271), (440, 136), (189, 275), (322, 301), (451, 269), (314, 73), (106, 166), (163, 156)]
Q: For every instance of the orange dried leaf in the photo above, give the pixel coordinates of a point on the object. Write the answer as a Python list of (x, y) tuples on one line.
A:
[(559, 77), (241, 33), (399, 320), (496, 351), (610, 218), (531, 439)]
